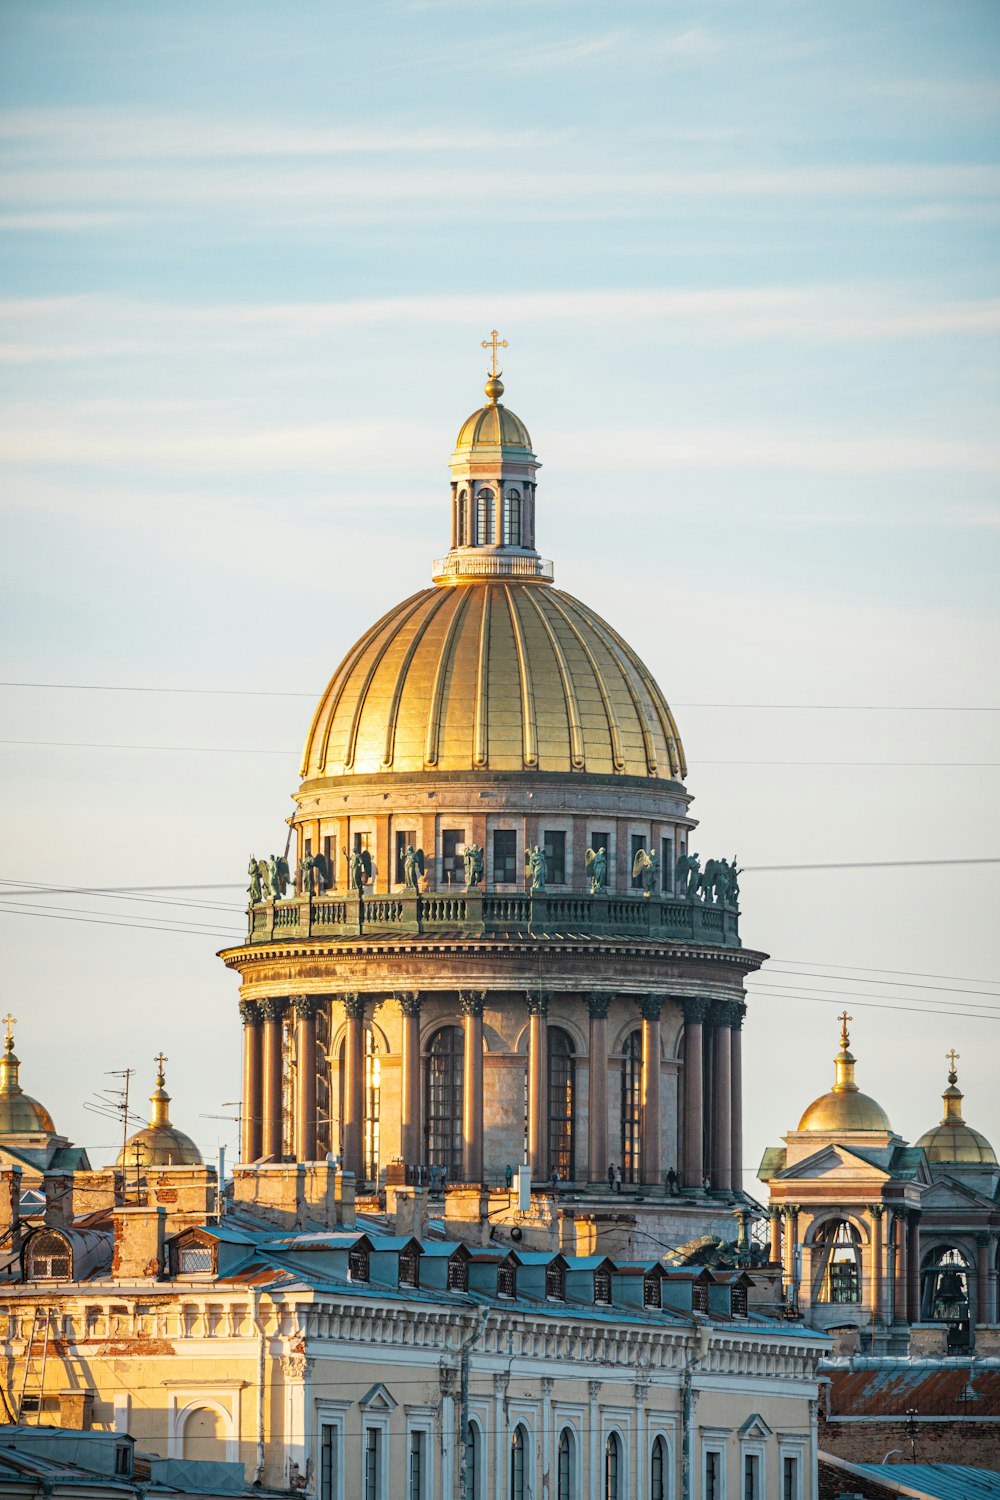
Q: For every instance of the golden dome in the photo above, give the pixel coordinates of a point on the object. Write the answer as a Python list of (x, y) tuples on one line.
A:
[(493, 426), (953, 1140), (845, 1107), (19, 1113), (493, 676), (158, 1144)]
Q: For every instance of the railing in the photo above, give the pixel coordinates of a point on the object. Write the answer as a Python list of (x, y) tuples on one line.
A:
[(491, 565), (478, 914)]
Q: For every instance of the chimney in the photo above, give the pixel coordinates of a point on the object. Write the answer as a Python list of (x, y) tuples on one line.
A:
[(58, 1190), (138, 1251), (295, 1194), (10, 1207)]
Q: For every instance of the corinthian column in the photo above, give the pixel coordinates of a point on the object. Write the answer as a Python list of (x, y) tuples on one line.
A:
[(650, 1007), (251, 1134), (875, 1212), (353, 1106), (409, 1004), (694, 1092), (305, 1008), (722, 1093), (272, 1145), (473, 1003), (597, 1118), (538, 1086), (737, 1013)]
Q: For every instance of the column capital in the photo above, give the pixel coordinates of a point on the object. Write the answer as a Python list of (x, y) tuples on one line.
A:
[(537, 1002), (250, 1013), (306, 1007), (876, 1210), (774, 1211), (472, 1002), (408, 1002), (695, 1010), (354, 1006), (721, 1013), (650, 1006), (273, 1008), (737, 1014), (598, 1005)]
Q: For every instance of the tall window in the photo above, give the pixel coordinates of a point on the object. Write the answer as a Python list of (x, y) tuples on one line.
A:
[(666, 864), (790, 1477), (418, 1465), (443, 1100), (713, 1475), (486, 518), (452, 863), (512, 519), (751, 1477), (373, 1080), (612, 1467), (373, 1463), (658, 1470), (840, 1262), (946, 1286), (564, 1466), (562, 1089), (473, 1462), (632, 1107), (554, 843), (638, 842), (463, 519), (330, 856), (518, 1464), (329, 1462), (505, 857)]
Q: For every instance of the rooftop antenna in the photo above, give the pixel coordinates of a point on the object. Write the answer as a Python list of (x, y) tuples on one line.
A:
[(236, 1120), (113, 1104)]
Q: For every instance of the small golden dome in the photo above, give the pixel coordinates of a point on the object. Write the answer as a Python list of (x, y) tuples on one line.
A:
[(845, 1107), (158, 1144), (498, 676), (19, 1113), (953, 1140), (492, 426)]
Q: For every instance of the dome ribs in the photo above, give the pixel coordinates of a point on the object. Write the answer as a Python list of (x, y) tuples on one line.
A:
[(481, 732), (578, 759), (614, 729), (335, 690), (604, 633), (401, 676), (433, 746), (529, 749), (400, 618), (672, 735)]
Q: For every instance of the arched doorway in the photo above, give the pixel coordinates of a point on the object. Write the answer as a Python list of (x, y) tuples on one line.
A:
[(945, 1293), (443, 1093), (562, 1104), (631, 1110), (204, 1435), (837, 1263)]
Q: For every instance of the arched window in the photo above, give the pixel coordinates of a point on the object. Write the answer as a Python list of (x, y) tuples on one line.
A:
[(48, 1257), (658, 1470), (945, 1277), (562, 1091), (632, 1107), (485, 518), (473, 1463), (612, 1467), (519, 1464), (443, 1100), (204, 1435), (839, 1262), (463, 519), (512, 519), (564, 1466)]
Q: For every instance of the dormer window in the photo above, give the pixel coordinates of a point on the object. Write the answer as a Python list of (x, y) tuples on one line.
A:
[(48, 1257), (506, 1279), (602, 1286), (740, 1301), (357, 1263), (651, 1291), (555, 1281), (699, 1296), (192, 1256), (409, 1267), (458, 1274)]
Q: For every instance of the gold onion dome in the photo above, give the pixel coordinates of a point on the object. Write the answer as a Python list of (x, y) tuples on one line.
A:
[(493, 669), (19, 1113), (159, 1144), (953, 1140), (845, 1107)]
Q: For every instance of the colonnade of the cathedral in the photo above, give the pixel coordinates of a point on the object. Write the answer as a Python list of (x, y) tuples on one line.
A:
[(710, 1103)]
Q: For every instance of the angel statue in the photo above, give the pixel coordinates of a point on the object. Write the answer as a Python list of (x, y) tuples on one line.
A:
[(359, 869), (646, 867), (321, 873), (278, 876), (734, 882), (538, 868), (413, 867), (597, 866), (688, 870), (256, 886), (473, 857)]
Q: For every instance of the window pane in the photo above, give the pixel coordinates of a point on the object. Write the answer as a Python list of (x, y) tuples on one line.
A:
[(563, 1476), (657, 1471), (638, 842), (329, 1463), (631, 1107), (443, 1100), (417, 1465), (666, 864), (554, 844), (452, 863), (562, 1086), (505, 857)]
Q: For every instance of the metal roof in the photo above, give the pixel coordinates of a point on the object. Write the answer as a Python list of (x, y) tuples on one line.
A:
[(939, 1481)]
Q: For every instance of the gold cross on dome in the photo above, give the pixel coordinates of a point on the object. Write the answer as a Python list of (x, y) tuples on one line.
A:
[(10, 1022), (495, 342), (160, 1059), (843, 1018), (953, 1057)]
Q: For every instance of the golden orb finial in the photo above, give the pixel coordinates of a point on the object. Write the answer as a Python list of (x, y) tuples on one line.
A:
[(10, 1021), (952, 1057), (845, 1040), (494, 385)]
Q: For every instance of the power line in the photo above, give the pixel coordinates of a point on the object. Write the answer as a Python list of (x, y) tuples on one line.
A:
[(878, 1005), (19, 911), (859, 969), (28, 906), (111, 895), (895, 983), (873, 864), (852, 995)]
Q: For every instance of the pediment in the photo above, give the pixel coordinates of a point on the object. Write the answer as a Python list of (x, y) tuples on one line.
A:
[(378, 1399), (755, 1428), (948, 1191), (836, 1162)]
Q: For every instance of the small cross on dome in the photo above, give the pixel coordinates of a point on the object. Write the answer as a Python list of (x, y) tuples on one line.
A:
[(10, 1021), (495, 342), (843, 1018), (952, 1057)]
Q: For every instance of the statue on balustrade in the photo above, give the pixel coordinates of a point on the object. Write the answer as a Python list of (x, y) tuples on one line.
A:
[(278, 876), (256, 886), (322, 875), (306, 875), (646, 867), (734, 882), (538, 868), (688, 869), (359, 869), (474, 865), (597, 865), (413, 867)]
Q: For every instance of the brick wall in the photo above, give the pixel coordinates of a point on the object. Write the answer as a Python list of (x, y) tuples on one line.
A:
[(944, 1441)]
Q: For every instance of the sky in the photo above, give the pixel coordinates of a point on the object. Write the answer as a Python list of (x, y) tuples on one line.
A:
[(745, 255)]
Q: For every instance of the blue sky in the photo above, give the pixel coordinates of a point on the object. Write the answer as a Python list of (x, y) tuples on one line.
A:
[(745, 256)]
